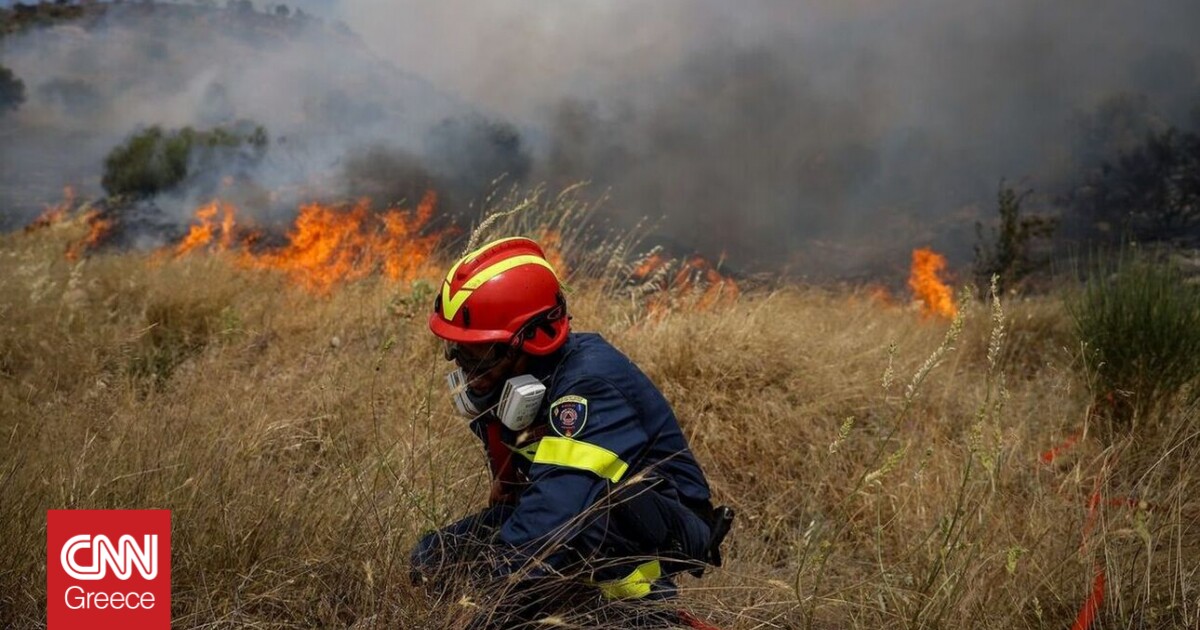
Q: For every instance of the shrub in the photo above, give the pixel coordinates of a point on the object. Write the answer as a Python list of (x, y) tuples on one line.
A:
[(154, 161), (1139, 323), (1150, 193), (1009, 254), (12, 91)]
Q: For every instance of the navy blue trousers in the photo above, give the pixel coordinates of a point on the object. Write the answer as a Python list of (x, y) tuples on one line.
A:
[(635, 523)]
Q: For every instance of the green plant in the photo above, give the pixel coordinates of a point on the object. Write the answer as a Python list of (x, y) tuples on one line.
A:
[(1149, 193), (929, 509), (153, 160), (1009, 254), (1139, 323), (12, 90), (414, 301)]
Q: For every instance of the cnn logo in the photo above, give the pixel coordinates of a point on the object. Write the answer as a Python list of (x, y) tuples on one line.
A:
[(121, 557), (108, 569)]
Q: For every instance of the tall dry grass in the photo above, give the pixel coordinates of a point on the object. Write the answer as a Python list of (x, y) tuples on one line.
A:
[(886, 473)]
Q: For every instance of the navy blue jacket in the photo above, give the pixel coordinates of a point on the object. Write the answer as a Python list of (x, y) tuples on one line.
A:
[(602, 421)]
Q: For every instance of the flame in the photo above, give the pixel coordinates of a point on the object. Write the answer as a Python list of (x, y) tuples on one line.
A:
[(662, 278), (698, 273), (551, 241), (879, 294), (655, 263), (326, 244), (98, 225), (927, 285), (405, 250), (99, 228), (201, 233), (54, 214)]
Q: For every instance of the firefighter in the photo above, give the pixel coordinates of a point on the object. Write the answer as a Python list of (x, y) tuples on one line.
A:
[(595, 479)]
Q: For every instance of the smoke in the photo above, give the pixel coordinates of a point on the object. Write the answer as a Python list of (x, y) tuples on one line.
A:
[(819, 136), (341, 122), (827, 135)]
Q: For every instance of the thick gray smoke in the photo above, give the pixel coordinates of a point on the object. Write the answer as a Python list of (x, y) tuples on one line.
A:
[(820, 136), (341, 122), (828, 135)]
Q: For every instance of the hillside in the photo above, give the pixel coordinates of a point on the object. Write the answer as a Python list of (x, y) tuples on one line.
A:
[(95, 75), (889, 470), (225, 316)]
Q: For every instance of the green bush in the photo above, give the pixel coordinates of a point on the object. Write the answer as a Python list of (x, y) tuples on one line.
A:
[(1009, 253), (1139, 323), (12, 91), (154, 161), (1150, 193)]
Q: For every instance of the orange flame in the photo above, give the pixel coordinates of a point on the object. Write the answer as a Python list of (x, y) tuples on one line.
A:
[(927, 285), (201, 233), (551, 241), (54, 214), (698, 273), (98, 229), (327, 244), (98, 225), (879, 294), (648, 267), (662, 278), (404, 249)]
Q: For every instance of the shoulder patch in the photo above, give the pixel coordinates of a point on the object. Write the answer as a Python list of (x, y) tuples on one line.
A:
[(568, 415)]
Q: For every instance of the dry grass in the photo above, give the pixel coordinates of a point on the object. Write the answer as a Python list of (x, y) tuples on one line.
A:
[(304, 443)]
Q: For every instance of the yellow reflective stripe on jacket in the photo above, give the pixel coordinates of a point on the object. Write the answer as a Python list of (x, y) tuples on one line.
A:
[(528, 451), (451, 303), (633, 586), (560, 451)]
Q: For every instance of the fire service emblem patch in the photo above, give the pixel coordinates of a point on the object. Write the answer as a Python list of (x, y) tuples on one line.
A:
[(568, 415)]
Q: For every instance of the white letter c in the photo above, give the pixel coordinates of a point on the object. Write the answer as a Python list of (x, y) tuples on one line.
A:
[(67, 557)]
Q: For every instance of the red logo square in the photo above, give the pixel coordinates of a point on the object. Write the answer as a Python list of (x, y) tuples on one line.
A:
[(108, 569)]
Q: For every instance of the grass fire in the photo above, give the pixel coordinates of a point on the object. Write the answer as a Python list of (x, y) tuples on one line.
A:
[(222, 357), (931, 330), (326, 245)]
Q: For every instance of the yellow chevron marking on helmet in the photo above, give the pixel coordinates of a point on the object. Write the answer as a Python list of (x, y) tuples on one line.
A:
[(451, 303), (471, 255)]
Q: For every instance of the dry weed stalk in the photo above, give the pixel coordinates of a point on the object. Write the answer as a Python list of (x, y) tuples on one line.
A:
[(217, 393)]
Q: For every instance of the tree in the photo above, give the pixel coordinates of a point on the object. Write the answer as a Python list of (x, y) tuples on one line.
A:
[(154, 161), (1009, 255), (1148, 194), (12, 91)]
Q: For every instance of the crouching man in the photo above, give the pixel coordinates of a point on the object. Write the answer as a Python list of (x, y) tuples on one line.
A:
[(591, 475)]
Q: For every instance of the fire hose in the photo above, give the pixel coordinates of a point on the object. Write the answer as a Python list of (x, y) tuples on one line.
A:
[(1094, 602)]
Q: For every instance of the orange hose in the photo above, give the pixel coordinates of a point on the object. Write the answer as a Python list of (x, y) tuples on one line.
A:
[(1091, 606)]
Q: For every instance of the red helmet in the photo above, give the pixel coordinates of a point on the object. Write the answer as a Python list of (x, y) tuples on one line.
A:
[(503, 292)]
